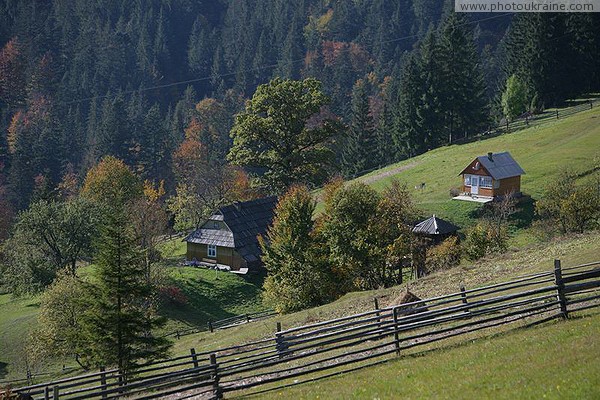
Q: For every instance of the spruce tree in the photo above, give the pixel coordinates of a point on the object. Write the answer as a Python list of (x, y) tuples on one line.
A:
[(360, 150), (463, 92), (120, 321)]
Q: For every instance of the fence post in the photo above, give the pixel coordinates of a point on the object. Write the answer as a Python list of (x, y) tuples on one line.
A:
[(103, 382), (47, 393), (55, 393), (247, 318), (591, 104), (280, 344), (560, 291), (396, 338), (215, 377), (376, 308), (463, 297), (556, 114), (210, 327), (194, 357)]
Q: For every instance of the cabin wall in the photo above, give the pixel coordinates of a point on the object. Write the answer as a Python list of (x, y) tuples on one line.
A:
[(225, 255), (509, 184)]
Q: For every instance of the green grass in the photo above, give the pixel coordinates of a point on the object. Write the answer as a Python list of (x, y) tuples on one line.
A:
[(17, 317), (539, 257), (542, 151), (211, 296), (558, 360)]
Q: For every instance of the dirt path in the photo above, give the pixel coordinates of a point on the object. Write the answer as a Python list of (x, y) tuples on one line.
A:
[(384, 174)]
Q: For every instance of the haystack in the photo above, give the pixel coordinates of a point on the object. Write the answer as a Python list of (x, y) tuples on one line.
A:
[(409, 297)]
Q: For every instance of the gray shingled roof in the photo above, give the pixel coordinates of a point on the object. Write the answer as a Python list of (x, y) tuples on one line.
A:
[(501, 166), (246, 220), (435, 226), (216, 237)]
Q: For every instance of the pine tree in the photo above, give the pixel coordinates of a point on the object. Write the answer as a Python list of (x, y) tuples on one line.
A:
[(463, 101), (119, 324), (406, 132), (297, 278), (360, 149)]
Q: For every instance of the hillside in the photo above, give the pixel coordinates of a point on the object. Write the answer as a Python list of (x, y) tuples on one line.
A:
[(554, 361), (542, 151)]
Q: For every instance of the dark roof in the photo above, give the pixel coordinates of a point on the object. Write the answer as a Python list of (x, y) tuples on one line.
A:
[(500, 166), (435, 226), (217, 237), (246, 220)]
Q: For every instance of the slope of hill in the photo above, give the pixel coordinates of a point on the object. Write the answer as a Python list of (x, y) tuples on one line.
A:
[(543, 152), (555, 361)]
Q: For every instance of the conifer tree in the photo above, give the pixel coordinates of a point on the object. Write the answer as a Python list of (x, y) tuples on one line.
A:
[(360, 149), (297, 278), (463, 101), (119, 324)]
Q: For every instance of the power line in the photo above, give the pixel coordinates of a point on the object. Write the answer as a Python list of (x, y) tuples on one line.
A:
[(254, 69)]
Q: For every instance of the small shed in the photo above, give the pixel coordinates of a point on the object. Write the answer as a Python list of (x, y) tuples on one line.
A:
[(435, 228), (491, 176)]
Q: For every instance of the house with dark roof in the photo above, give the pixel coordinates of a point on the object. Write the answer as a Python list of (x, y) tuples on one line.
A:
[(491, 176), (229, 238)]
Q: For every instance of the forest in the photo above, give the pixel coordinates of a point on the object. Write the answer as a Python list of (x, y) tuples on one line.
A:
[(150, 81)]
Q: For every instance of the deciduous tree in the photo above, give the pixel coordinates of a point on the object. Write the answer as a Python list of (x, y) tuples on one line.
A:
[(280, 137)]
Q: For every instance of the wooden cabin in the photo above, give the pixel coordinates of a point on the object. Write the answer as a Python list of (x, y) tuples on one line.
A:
[(491, 176), (228, 240)]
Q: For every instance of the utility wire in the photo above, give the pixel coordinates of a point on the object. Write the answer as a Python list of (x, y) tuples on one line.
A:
[(254, 69)]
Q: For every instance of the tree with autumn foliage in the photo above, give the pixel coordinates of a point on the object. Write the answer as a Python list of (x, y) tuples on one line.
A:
[(203, 184), (12, 73), (111, 184)]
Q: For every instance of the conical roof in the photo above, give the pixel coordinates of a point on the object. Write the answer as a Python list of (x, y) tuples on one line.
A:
[(435, 226)]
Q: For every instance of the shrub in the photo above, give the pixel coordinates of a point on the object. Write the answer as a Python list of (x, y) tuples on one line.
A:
[(173, 295), (484, 239), (444, 255)]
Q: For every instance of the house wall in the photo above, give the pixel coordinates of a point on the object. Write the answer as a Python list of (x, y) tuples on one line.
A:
[(509, 184), (482, 191), (505, 186), (225, 255)]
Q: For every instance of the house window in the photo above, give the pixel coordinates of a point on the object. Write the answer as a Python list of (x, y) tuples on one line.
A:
[(467, 180), (215, 225), (212, 250), (486, 182)]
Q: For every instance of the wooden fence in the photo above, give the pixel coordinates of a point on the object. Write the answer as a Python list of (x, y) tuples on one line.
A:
[(329, 347)]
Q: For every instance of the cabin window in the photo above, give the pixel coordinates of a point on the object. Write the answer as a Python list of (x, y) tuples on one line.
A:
[(215, 225), (212, 250), (496, 184), (486, 182), (467, 180)]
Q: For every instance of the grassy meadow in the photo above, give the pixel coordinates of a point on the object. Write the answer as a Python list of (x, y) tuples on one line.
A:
[(543, 151), (557, 360)]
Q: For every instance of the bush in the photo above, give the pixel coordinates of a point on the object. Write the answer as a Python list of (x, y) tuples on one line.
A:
[(444, 255), (484, 239)]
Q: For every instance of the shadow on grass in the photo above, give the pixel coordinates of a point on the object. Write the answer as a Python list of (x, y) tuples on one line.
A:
[(525, 214), (212, 296), (3, 369)]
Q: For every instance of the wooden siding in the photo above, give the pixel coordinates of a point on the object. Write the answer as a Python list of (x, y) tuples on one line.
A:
[(509, 184), (225, 255), (505, 187)]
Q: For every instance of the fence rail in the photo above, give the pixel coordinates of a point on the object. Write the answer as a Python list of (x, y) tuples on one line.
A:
[(367, 337)]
